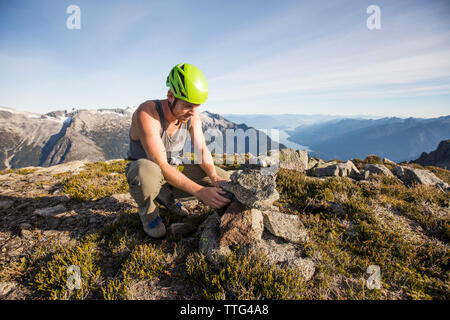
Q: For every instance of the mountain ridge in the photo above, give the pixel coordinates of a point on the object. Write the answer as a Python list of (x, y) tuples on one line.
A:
[(31, 139), (395, 138), (439, 157)]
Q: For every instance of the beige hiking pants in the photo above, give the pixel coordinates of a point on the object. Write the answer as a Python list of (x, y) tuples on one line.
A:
[(146, 182)]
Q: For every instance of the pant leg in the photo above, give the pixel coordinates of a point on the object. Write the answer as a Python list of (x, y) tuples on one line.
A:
[(196, 174), (145, 180)]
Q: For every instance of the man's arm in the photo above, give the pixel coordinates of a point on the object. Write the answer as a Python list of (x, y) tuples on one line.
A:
[(207, 162)]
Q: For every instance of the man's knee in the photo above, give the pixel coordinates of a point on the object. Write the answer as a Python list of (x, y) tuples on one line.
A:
[(222, 173), (143, 171), (148, 169), (144, 179)]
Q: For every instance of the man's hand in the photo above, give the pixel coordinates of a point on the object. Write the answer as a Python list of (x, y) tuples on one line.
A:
[(216, 180), (212, 197)]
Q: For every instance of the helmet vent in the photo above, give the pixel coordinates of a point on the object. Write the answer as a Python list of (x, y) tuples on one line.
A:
[(181, 78)]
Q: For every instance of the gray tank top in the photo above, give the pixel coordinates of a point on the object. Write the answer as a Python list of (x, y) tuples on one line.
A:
[(174, 145)]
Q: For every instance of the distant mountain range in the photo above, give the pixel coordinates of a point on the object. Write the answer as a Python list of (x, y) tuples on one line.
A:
[(284, 121), (31, 139), (394, 138)]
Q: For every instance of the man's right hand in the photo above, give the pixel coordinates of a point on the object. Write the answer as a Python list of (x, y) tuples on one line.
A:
[(212, 197)]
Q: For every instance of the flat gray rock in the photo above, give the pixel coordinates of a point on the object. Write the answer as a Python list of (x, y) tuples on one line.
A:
[(294, 160), (50, 211), (286, 226), (378, 169), (209, 243), (283, 254), (412, 175), (253, 188)]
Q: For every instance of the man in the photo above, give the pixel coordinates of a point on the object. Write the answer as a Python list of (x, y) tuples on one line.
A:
[(159, 130)]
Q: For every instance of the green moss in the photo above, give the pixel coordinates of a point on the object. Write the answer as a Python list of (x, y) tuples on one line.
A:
[(115, 290), (373, 159), (6, 171), (98, 181), (145, 262), (23, 171), (52, 279), (119, 242), (346, 246), (111, 167), (243, 277)]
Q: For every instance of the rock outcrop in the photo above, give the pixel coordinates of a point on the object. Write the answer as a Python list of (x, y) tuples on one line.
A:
[(411, 176), (347, 169), (378, 169)]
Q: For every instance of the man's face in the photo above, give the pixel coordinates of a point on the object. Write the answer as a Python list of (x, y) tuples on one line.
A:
[(184, 110)]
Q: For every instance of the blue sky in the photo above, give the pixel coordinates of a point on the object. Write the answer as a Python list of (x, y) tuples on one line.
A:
[(266, 57)]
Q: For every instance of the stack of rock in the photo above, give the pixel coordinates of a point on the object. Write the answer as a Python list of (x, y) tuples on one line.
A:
[(251, 223)]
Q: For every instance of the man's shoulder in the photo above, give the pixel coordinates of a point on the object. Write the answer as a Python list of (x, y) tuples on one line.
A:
[(148, 107)]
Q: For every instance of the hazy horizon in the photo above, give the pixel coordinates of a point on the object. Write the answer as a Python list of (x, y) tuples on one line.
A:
[(371, 116)]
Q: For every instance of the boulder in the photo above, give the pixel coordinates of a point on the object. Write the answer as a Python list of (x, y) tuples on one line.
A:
[(123, 197), (286, 226), (387, 161), (265, 161), (363, 175), (282, 254), (6, 288), (181, 229), (315, 162), (50, 211), (378, 169), (209, 243), (253, 188), (6, 204), (412, 175), (293, 160), (240, 225), (330, 169)]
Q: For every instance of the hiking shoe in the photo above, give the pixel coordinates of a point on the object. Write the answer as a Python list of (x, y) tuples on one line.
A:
[(174, 207), (155, 228), (179, 209)]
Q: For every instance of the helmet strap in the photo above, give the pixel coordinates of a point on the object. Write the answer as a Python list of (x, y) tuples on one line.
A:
[(171, 106)]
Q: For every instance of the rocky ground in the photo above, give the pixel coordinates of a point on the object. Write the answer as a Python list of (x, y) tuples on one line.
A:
[(318, 225), (44, 218)]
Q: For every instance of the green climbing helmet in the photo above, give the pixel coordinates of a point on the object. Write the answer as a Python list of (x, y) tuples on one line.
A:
[(188, 83)]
